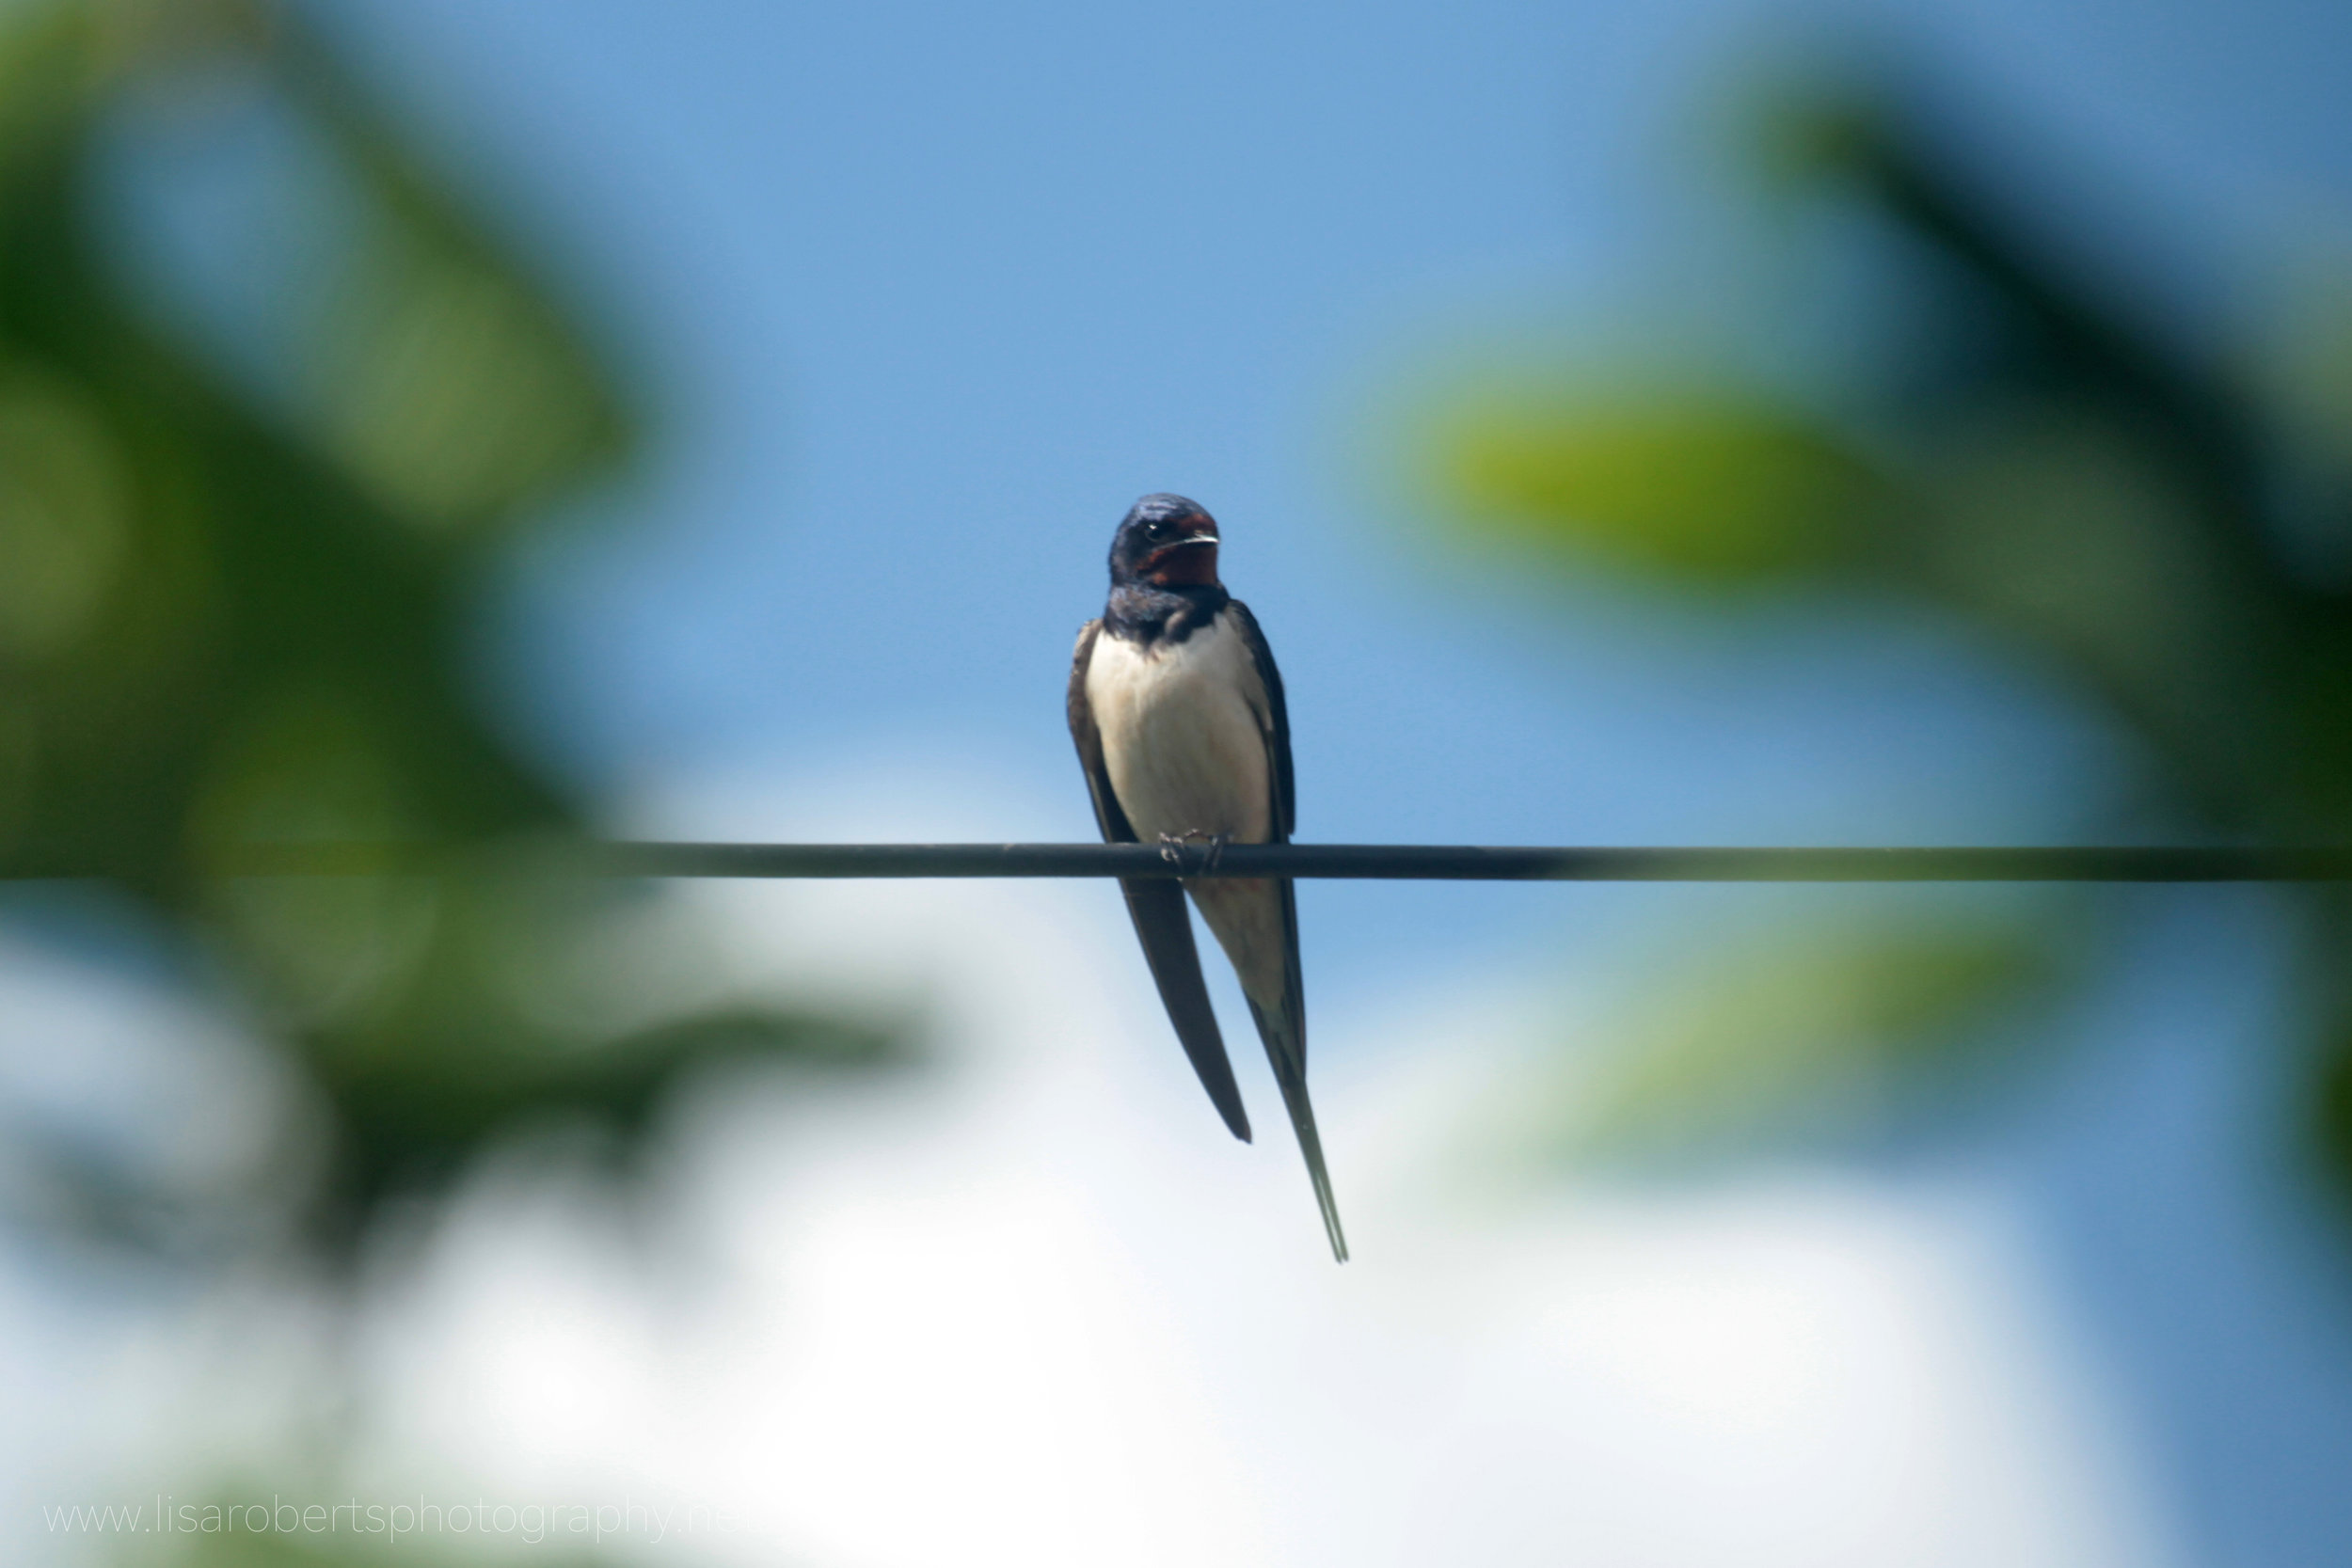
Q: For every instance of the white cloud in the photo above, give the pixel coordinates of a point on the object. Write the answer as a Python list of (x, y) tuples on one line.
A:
[(1030, 1305), (1035, 1307)]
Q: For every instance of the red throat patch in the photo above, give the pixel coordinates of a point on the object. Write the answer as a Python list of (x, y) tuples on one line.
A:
[(1182, 565)]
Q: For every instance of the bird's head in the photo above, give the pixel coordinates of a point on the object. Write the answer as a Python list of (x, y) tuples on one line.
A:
[(1167, 541)]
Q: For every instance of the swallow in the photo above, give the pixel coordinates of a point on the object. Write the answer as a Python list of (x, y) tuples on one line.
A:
[(1177, 710)]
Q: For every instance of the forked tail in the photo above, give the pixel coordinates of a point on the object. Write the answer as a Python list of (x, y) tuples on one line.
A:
[(1286, 1049)]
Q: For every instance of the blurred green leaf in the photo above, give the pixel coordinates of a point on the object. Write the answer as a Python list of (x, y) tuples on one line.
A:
[(453, 396), (2056, 528), (298, 1548), (65, 499), (236, 610), (224, 625), (1805, 1028), (445, 377), (2095, 498), (421, 1095), (1702, 488), (2307, 370), (50, 62)]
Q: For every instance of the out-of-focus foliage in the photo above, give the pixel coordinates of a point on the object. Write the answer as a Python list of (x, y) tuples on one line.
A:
[(2172, 538), (225, 622), (1821, 1027), (1722, 489), (270, 1550)]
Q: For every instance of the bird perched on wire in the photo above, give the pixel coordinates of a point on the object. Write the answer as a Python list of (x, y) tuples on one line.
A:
[(1177, 710)]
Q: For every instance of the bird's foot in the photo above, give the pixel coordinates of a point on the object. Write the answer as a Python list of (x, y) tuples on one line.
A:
[(1172, 847), (1216, 851)]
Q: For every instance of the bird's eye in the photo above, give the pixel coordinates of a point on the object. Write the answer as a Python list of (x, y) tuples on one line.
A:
[(1157, 530)]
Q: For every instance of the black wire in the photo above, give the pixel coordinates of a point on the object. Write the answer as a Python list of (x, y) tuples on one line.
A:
[(1380, 861)]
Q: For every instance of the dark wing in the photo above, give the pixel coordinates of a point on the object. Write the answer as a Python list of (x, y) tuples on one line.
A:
[(1277, 723), (1285, 1036), (1163, 925), (1278, 750)]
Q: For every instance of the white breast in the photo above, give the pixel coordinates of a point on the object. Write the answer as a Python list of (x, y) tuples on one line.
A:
[(1185, 734)]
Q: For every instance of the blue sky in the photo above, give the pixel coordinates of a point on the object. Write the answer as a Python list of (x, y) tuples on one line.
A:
[(924, 297)]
